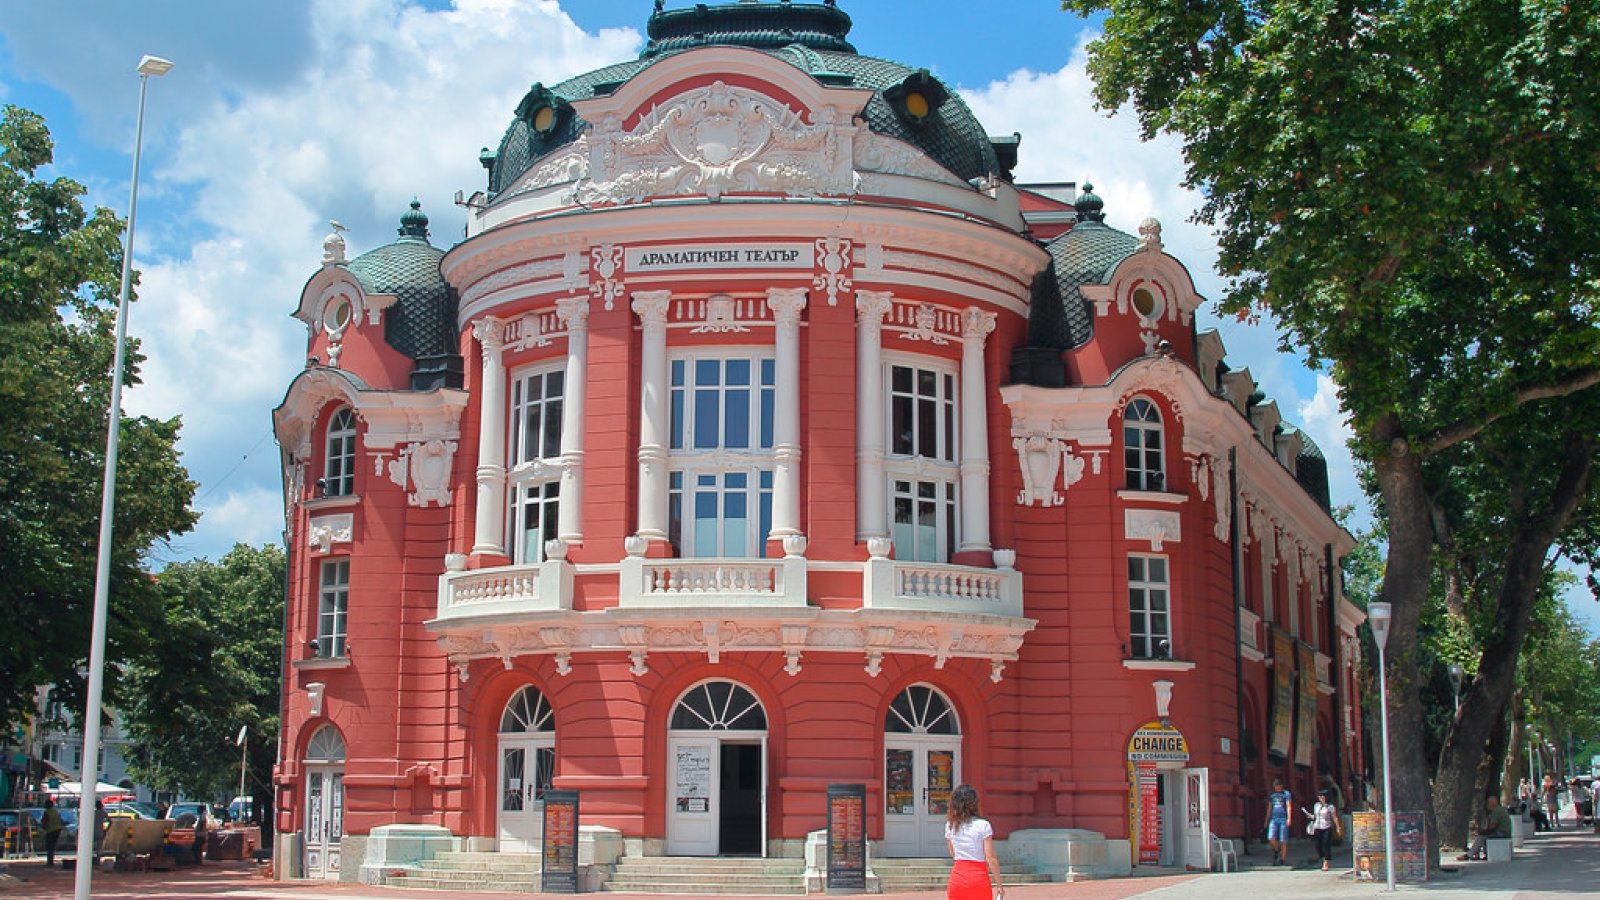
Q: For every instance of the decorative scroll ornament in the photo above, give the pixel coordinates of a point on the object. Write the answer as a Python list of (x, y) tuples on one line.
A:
[(926, 321), (606, 261), (720, 317), (833, 255), (712, 141), (425, 467), (1042, 459)]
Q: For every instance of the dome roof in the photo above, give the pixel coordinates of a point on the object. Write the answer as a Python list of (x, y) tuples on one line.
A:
[(422, 323), (808, 36)]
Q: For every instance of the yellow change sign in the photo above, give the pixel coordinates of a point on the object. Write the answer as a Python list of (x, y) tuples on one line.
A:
[(1158, 742)]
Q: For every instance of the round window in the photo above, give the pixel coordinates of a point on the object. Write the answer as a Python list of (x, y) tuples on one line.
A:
[(337, 314), (1145, 303), (544, 119), (917, 105)]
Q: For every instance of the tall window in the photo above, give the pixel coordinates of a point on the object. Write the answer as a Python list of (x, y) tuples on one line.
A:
[(1141, 446), (534, 479), (922, 465), (1149, 611), (339, 470), (332, 608), (719, 500)]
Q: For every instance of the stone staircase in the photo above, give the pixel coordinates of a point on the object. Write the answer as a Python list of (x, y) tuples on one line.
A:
[(460, 871), (702, 875), (904, 875)]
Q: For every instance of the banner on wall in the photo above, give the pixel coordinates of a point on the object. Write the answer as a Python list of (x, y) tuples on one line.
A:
[(1307, 725), (1283, 684)]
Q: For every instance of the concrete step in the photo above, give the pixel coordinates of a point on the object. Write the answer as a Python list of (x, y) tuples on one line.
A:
[(463, 883), (698, 876), (905, 874)]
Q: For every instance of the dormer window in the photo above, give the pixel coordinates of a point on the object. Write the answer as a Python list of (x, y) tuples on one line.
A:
[(1141, 446), (916, 99)]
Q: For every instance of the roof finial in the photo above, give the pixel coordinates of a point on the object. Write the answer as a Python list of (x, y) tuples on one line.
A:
[(1089, 205), (414, 224)]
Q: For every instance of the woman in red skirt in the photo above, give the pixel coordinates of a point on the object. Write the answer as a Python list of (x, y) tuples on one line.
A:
[(976, 874)]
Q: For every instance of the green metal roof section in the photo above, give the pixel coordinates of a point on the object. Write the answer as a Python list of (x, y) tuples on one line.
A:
[(1311, 470), (422, 323), (808, 36), (1087, 254)]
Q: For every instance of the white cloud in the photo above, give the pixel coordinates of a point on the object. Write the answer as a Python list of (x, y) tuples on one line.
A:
[(1065, 138), (392, 101)]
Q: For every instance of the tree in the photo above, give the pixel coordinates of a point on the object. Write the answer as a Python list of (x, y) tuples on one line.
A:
[(216, 669), (59, 276), (1410, 187)]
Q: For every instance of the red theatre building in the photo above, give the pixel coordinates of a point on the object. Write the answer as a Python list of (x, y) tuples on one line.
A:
[(762, 435)]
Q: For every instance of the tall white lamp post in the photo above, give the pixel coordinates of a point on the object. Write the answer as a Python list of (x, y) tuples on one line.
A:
[(240, 741), (1378, 616), (148, 66)]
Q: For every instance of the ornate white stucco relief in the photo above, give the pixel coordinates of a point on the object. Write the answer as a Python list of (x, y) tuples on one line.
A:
[(720, 316), (1223, 496), (833, 257), (714, 140), (325, 531), (1154, 525), (568, 267), (1042, 458), (425, 468), (605, 263), (876, 153)]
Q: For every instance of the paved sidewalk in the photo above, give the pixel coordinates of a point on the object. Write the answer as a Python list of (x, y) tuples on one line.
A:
[(1552, 866)]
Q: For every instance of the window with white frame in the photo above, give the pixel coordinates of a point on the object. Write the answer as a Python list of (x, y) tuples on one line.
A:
[(1149, 608), (1141, 446), (719, 500), (922, 464), (339, 468), (333, 599), (534, 478)]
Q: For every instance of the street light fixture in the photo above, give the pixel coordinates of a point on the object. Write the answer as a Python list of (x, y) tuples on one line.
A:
[(1456, 674), (148, 66), (1378, 616)]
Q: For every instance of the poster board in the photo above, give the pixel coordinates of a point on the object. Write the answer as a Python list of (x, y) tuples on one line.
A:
[(847, 838), (1306, 721), (1410, 846), (560, 851), (1283, 685)]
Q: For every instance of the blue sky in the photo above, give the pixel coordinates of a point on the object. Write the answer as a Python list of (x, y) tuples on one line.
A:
[(280, 116)]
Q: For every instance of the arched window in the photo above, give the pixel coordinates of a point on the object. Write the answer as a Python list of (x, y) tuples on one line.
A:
[(719, 706), (528, 711), (1141, 450), (921, 709), (339, 468), (326, 746)]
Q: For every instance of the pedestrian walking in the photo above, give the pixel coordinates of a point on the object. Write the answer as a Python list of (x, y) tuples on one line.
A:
[(1279, 804), (52, 831), (1324, 823), (1550, 795), (976, 873)]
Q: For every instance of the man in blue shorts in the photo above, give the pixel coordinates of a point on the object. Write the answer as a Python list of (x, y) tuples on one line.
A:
[(1279, 803)]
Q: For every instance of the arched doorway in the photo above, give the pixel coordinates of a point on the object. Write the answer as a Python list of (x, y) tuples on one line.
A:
[(921, 765), (527, 745), (716, 754), (324, 765)]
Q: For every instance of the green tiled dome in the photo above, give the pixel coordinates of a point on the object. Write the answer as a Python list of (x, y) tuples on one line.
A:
[(422, 323), (808, 36)]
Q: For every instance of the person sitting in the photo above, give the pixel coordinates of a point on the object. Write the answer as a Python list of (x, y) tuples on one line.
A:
[(1497, 825)]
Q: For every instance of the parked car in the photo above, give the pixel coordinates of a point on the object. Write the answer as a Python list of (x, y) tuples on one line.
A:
[(242, 809), (69, 834), (133, 809), (187, 820)]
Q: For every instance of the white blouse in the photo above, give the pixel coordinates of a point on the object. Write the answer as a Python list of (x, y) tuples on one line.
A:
[(967, 841)]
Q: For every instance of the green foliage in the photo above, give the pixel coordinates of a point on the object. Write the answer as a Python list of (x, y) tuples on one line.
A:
[(1560, 671), (59, 274), (215, 668)]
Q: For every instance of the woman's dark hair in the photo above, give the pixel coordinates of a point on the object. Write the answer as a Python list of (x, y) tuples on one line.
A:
[(963, 806)]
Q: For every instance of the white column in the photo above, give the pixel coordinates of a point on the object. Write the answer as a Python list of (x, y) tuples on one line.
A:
[(975, 327), (786, 304), (574, 311), (489, 526), (872, 502), (654, 394)]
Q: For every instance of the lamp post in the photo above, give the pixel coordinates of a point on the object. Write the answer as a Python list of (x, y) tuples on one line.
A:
[(1378, 616), (148, 66), (240, 741), (1456, 674)]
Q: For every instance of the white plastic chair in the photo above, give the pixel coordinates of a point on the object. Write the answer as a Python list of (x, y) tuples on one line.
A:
[(1224, 854)]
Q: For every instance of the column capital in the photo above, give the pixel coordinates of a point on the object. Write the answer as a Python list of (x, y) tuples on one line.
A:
[(872, 306), (786, 303), (490, 332), (651, 306), (574, 313), (976, 325)]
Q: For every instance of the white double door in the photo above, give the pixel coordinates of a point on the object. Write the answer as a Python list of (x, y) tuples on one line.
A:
[(324, 821), (919, 772), (717, 795), (526, 765)]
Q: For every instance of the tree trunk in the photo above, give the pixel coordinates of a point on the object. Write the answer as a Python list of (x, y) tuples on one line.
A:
[(1457, 788), (1407, 574)]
